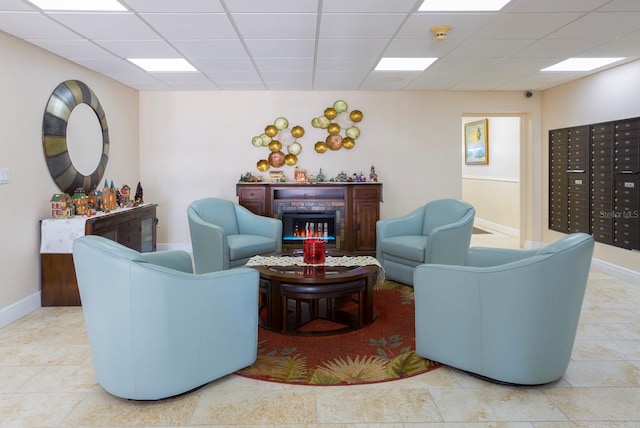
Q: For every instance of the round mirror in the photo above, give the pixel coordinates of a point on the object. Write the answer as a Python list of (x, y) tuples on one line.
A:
[(84, 139), (56, 132)]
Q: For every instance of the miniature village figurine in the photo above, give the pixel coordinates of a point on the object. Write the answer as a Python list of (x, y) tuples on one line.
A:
[(125, 196), (320, 176), (372, 175), (342, 177), (139, 198)]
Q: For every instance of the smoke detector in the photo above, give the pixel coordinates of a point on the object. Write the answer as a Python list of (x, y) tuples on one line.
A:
[(440, 31)]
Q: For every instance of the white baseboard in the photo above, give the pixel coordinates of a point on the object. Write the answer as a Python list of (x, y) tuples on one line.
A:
[(628, 275), (19, 309), (511, 231)]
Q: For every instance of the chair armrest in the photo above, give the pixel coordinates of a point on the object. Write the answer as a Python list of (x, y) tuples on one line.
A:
[(253, 224), (210, 247), (449, 243), (488, 256), (177, 260)]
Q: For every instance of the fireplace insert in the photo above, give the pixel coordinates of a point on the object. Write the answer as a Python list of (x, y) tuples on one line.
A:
[(298, 226)]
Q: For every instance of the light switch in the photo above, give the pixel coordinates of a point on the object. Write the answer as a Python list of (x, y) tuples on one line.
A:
[(4, 175)]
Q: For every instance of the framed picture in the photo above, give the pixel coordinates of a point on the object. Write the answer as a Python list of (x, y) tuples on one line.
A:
[(476, 142)]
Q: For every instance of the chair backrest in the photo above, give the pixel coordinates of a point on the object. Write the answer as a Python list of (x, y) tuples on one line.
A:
[(220, 212), (443, 211)]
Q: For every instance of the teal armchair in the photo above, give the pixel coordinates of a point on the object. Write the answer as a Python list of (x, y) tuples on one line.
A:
[(225, 234), (157, 330), (438, 232), (509, 315)]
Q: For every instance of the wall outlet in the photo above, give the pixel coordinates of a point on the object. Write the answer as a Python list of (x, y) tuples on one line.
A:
[(5, 175)]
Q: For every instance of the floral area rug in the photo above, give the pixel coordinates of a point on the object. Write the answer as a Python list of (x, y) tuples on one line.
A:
[(382, 351)]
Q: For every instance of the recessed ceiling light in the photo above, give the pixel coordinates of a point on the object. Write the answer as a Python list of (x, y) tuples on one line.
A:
[(581, 64), (404, 64), (162, 64), (80, 5), (462, 5)]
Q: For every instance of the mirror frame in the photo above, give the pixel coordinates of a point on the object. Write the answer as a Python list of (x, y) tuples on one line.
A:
[(60, 105)]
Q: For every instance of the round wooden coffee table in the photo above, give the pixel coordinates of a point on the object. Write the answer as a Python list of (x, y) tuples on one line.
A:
[(336, 298)]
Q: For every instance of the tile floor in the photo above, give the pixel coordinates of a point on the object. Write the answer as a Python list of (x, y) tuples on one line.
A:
[(47, 380)]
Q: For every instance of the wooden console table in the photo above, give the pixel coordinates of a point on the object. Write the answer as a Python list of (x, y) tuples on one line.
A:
[(361, 203), (132, 227)]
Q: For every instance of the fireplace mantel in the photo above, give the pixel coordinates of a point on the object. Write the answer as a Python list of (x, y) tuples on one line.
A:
[(360, 201)]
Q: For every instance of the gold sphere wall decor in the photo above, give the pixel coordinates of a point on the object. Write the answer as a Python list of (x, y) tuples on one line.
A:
[(64, 98), (275, 137), (340, 124)]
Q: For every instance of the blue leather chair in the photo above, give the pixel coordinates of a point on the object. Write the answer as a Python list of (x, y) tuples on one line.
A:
[(225, 234), (509, 315), (156, 329), (438, 232)]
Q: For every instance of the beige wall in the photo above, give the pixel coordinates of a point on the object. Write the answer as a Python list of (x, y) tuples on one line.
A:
[(196, 145), (27, 78), (497, 202), (602, 97)]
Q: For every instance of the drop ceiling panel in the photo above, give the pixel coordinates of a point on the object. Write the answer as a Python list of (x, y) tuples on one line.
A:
[(519, 26), (231, 65), (267, 64), (223, 48), (340, 81), (33, 25), (139, 48), (520, 65), (276, 26), (181, 26), (489, 48), (281, 47), (173, 6), (272, 6), (622, 6), (420, 48), (626, 48), (353, 64), (601, 24), (456, 65), (351, 47), (109, 65), (438, 81), (271, 77), (553, 6), (14, 5), (114, 26), (236, 77), (359, 26), (363, 6), (558, 48), (73, 48)]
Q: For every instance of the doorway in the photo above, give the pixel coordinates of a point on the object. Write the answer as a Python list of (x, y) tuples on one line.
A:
[(495, 188)]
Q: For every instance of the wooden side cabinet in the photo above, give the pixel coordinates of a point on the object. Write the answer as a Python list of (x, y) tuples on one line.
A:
[(134, 228)]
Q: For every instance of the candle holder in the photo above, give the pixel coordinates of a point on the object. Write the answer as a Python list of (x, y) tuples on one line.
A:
[(313, 251)]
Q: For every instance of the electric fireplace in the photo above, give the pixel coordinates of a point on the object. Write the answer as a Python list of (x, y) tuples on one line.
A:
[(298, 226)]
